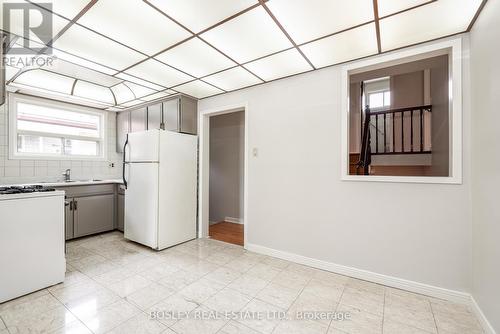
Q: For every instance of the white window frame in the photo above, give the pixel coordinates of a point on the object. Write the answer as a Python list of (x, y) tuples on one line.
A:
[(14, 99), (452, 47)]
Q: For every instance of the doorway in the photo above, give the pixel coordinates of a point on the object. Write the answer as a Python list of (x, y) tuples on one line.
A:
[(223, 188)]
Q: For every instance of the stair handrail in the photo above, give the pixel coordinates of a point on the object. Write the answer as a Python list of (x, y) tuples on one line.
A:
[(365, 158)]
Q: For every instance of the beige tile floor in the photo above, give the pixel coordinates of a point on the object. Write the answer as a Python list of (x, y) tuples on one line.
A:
[(112, 286)]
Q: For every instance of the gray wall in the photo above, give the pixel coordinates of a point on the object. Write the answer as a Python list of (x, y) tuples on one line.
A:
[(485, 72), (227, 147), (297, 202)]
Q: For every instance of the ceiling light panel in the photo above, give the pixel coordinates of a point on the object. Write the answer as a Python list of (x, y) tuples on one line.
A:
[(441, 18), (388, 7), (306, 20), (279, 65), (248, 36), (82, 62), (83, 73), (132, 103), (46, 80), (233, 78), (150, 34), (138, 81), (198, 89), (158, 95), (154, 71), (196, 58), (91, 46), (198, 15), (122, 93), (349, 45), (91, 91), (138, 90), (10, 72), (68, 9)]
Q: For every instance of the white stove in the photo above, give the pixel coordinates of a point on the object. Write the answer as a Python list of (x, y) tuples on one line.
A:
[(31, 240)]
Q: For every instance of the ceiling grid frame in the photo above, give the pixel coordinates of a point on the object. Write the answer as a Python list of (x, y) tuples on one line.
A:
[(258, 3)]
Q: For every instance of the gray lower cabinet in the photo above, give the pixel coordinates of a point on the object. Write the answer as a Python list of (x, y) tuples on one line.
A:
[(68, 219), (120, 215), (93, 214)]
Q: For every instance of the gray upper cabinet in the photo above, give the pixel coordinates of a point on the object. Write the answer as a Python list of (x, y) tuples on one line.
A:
[(181, 115), (138, 120), (155, 117), (122, 128)]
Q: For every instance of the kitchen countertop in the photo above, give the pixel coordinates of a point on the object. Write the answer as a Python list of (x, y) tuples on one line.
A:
[(68, 184)]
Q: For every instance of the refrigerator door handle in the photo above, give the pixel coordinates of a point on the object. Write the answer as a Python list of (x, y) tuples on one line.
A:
[(124, 162)]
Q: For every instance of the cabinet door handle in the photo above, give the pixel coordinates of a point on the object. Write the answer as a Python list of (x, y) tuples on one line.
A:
[(74, 205), (71, 206)]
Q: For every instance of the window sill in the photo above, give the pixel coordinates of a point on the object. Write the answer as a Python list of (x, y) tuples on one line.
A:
[(403, 179)]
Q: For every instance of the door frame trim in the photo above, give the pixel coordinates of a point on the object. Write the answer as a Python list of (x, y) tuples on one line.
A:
[(204, 167)]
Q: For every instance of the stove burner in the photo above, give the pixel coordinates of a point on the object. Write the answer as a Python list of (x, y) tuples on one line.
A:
[(24, 189)]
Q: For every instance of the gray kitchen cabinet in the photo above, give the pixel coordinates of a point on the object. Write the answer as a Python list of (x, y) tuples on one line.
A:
[(120, 207), (155, 118), (181, 115), (122, 128), (68, 219), (93, 214), (138, 120)]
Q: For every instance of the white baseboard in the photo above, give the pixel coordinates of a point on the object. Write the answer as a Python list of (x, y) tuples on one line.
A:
[(399, 283), (233, 220), (488, 328)]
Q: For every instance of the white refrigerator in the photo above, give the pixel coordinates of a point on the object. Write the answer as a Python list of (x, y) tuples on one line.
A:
[(160, 178)]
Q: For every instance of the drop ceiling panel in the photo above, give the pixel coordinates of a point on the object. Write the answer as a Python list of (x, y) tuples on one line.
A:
[(10, 72), (91, 46), (46, 80), (82, 62), (138, 90), (279, 65), (93, 92), (122, 93), (441, 18), (305, 20), (66, 8), (387, 7), (161, 74), (79, 72), (349, 45), (158, 95), (196, 58), (198, 89), (248, 36), (198, 15), (132, 103), (138, 81), (233, 78), (135, 24)]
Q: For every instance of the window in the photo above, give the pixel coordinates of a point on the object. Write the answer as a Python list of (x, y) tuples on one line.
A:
[(44, 129), (401, 116)]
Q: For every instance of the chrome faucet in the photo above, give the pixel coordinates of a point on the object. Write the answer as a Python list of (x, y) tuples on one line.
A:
[(67, 175)]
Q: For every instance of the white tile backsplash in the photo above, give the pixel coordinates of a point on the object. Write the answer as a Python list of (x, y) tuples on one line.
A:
[(32, 171)]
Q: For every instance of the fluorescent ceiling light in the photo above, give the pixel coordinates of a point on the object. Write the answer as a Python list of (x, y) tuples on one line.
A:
[(93, 92), (152, 31), (438, 19), (198, 89), (82, 62), (138, 90), (139, 81), (279, 65), (196, 58), (348, 45), (159, 73), (66, 8), (201, 14), (122, 93), (233, 78), (307, 20), (46, 80), (88, 45), (248, 36), (83, 73), (387, 7)]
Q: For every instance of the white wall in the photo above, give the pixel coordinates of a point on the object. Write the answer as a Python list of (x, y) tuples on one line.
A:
[(28, 171), (297, 202), (485, 71), (227, 146)]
